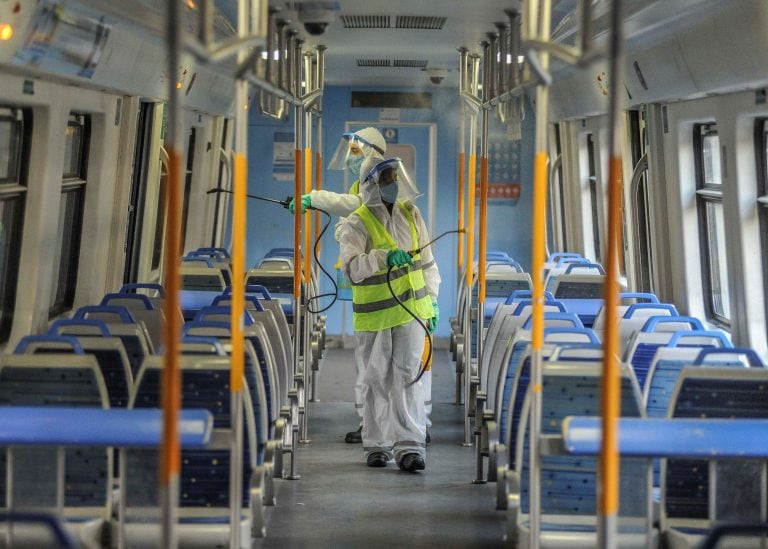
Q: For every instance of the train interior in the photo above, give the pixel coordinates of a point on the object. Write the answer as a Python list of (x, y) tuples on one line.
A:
[(177, 351)]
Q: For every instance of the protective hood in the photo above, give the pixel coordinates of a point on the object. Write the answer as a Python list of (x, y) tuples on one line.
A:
[(355, 147), (377, 178)]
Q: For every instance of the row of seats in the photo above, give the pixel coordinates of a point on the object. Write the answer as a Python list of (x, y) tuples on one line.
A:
[(104, 356), (663, 355)]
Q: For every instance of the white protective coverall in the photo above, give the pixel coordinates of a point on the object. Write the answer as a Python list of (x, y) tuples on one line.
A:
[(394, 412), (343, 204)]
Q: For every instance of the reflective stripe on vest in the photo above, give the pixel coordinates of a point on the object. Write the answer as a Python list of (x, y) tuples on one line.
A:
[(373, 305)]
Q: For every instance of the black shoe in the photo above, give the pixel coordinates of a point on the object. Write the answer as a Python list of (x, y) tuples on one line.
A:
[(429, 438), (355, 436), (377, 459), (412, 463)]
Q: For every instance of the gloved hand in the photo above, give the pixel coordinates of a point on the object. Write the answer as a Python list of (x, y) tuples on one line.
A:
[(306, 202), (398, 258), (432, 322)]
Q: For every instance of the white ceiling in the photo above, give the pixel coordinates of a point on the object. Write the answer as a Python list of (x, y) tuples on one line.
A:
[(467, 23)]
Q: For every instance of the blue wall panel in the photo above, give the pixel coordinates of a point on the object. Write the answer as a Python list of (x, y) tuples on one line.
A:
[(271, 226)]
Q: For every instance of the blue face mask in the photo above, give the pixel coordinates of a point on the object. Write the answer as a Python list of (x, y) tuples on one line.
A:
[(354, 162), (388, 193)]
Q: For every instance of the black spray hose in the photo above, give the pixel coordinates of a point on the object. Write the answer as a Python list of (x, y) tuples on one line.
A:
[(315, 251), (425, 364), (285, 204)]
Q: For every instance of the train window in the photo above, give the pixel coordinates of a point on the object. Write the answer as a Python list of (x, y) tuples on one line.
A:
[(762, 155), (221, 184), (711, 223), (74, 178), (187, 185), (641, 206), (157, 246), (594, 195), (558, 194), (15, 132)]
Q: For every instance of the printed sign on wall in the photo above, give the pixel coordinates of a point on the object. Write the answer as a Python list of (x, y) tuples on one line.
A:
[(282, 156)]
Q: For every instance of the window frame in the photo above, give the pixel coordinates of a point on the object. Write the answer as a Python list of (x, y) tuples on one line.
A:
[(67, 267), (706, 195), (14, 190), (761, 154), (595, 188)]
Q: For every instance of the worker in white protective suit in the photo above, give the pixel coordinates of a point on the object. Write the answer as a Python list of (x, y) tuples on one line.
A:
[(352, 150), (375, 241)]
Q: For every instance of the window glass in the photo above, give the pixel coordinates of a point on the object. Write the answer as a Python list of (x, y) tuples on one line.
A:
[(10, 153), (157, 248), (761, 140), (594, 195), (67, 250), (717, 261), (11, 218), (714, 266), (15, 136), (73, 149)]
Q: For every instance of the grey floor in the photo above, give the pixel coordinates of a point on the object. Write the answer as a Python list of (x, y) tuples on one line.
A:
[(339, 502)]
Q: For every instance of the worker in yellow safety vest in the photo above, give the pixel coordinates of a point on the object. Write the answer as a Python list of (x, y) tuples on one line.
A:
[(374, 241)]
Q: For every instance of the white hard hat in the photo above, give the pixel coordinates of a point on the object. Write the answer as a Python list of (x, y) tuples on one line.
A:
[(363, 143)]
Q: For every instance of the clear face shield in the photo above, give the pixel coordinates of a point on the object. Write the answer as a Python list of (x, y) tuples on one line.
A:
[(350, 153), (392, 181)]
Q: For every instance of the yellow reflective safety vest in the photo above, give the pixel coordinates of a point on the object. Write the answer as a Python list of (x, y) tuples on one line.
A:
[(373, 305), (355, 188)]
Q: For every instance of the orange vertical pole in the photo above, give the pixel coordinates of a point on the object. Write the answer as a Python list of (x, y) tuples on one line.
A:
[(308, 214), (170, 385), (319, 187), (238, 271), (611, 387), (483, 237), (297, 228), (608, 472), (171, 378), (460, 251)]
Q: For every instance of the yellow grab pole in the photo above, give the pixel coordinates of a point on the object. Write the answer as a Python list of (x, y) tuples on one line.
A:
[(608, 473), (542, 22), (538, 248), (467, 328), (471, 223), (319, 187), (460, 191)]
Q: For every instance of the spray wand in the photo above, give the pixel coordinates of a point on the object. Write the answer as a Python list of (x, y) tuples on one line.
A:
[(286, 204)]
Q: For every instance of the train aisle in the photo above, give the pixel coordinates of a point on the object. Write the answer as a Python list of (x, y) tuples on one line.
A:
[(340, 502)]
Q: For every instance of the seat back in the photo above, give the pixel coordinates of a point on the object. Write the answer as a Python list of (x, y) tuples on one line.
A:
[(714, 392), (55, 379), (204, 475), (568, 483), (108, 351)]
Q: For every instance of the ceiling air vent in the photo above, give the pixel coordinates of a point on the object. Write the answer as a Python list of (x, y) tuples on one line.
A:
[(420, 22), (373, 63), (410, 63), (366, 21)]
